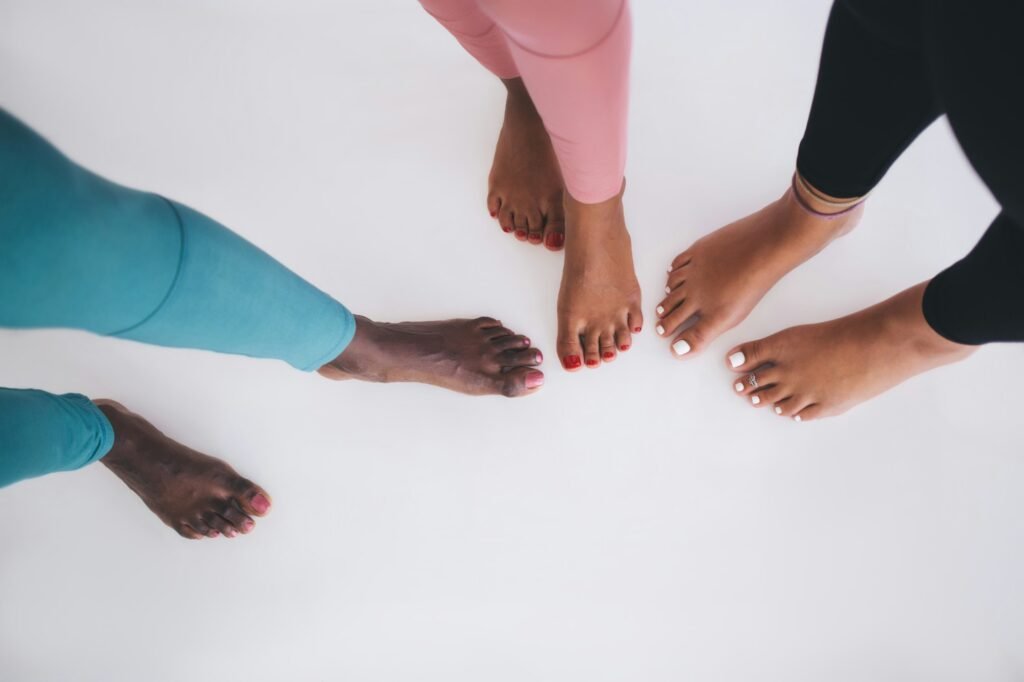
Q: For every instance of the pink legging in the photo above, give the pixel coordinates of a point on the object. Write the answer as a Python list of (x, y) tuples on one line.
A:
[(573, 57)]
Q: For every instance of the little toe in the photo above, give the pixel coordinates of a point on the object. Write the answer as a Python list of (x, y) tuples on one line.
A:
[(493, 204), (521, 381), (506, 219), (188, 532), (786, 407), (809, 413), (682, 259), (635, 319)]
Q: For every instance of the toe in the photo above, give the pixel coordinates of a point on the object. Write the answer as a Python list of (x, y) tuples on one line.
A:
[(607, 346), (527, 357), (674, 318), (237, 518), (521, 381), (535, 227), (220, 524), (748, 356), (693, 340), (505, 218), (497, 333), (762, 379), (592, 349), (635, 319), (493, 204), (682, 259), (570, 352), (809, 413), (522, 227), (510, 342), (769, 395), (486, 323), (623, 339), (677, 277), (787, 407), (554, 233), (188, 532), (253, 499)]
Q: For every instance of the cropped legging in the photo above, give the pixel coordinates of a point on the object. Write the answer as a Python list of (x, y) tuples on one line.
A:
[(888, 69), (79, 251), (573, 57)]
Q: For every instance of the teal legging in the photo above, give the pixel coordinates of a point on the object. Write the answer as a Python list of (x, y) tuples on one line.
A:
[(79, 251)]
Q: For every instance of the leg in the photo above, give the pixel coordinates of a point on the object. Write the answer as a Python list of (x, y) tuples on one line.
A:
[(573, 56), (196, 495), (78, 251), (871, 100)]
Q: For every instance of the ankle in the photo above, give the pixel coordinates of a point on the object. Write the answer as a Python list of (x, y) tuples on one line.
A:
[(906, 326), (363, 358), (594, 221), (818, 203), (126, 430)]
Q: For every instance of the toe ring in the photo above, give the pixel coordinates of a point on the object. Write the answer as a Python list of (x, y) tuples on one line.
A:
[(752, 380)]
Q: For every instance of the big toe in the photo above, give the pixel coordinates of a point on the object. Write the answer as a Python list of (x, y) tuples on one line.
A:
[(521, 381), (252, 499)]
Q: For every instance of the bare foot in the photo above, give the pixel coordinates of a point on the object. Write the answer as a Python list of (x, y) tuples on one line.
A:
[(478, 357), (599, 300), (525, 192), (822, 370), (713, 285), (195, 494)]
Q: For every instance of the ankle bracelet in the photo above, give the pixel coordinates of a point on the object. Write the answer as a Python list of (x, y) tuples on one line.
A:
[(843, 207)]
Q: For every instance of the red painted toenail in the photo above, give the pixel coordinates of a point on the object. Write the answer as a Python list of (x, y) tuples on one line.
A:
[(624, 346), (494, 214), (555, 239), (592, 363), (535, 238), (534, 379), (520, 234), (608, 355), (506, 229), (636, 329), (260, 503), (571, 361)]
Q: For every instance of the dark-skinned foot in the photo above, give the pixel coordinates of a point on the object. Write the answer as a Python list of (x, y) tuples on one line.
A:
[(822, 370), (477, 357), (714, 284), (525, 184), (599, 300), (195, 494)]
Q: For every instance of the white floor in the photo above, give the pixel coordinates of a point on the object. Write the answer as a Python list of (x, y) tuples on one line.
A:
[(634, 523)]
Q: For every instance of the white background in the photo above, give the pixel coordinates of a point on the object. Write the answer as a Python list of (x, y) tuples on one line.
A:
[(639, 522)]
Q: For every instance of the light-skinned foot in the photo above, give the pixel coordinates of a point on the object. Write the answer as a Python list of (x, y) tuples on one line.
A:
[(195, 494), (599, 299), (525, 184), (822, 370), (714, 284), (476, 357)]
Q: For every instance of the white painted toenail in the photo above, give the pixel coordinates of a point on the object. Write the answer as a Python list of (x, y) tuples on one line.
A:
[(737, 358), (739, 387), (669, 271), (778, 410), (797, 418), (660, 310), (755, 399), (668, 290), (681, 347), (660, 330)]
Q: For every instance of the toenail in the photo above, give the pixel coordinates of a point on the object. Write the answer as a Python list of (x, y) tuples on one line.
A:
[(755, 399), (681, 347), (535, 238), (555, 239), (737, 358), (797, 418), (247, 524), (636, 329), (624, 346), (494, 214), (592, 363), (260, 503), (739, 386), (668, 270), (571, 361), (520, 234), (778, 410), (660, 330), (660, 310), (608, 355), (668, 290), (534, 379), (526, 341), (540, 357)]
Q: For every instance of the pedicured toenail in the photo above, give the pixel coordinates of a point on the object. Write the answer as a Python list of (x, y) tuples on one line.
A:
[(797, 418), (539, 358), (248, 525), (592, 363), (660, 310), (738, 386), (555, 239), (494, 214), (636, 330), (535, 238), (668, 290), (778, 410), (681, 347), (756, 400), (260, 503), (571, 361), (624, 346), (608, 355), (506, 230), (737, 359), (520, 234), (534, 379), (669, 271), (660, 330)]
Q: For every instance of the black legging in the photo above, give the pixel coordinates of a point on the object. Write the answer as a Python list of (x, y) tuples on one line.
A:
[(888, 69)]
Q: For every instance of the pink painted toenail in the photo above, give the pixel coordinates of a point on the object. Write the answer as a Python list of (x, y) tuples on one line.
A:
[(571, 361), (526, 342), (247, 524), (534, 379), (540, 357), (260, 503)]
